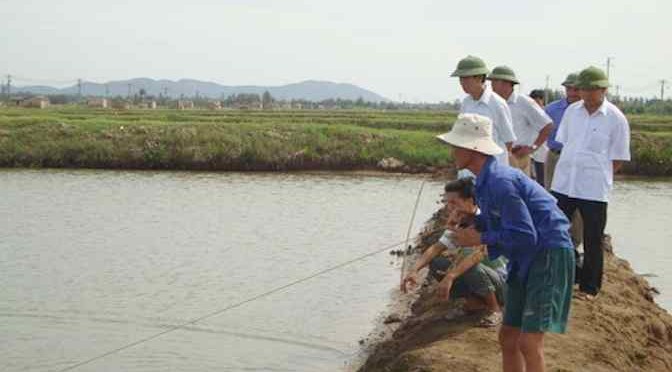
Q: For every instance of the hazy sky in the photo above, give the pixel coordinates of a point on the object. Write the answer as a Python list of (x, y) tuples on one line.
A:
[(400, 49)]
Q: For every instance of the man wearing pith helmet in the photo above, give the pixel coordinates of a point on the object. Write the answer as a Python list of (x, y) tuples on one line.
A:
[(521, 221), (596, 141), (480, 99), (531, 125)]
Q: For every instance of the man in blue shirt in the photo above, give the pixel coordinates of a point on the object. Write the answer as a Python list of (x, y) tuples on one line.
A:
[(556, 110), (521, 221)]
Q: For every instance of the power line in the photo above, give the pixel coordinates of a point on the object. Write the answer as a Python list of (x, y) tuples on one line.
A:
[(233, 306), (261, 295)]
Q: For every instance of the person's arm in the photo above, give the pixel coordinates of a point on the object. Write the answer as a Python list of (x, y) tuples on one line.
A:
[(425, 259), (516, 225), (541, 138), (509, 146), (540, 122), (503, 127), (465, 263), (543, 135), (428, 256), (509, 136), (619, 149)]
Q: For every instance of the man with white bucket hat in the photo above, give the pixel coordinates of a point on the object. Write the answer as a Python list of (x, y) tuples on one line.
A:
[(521, 221)]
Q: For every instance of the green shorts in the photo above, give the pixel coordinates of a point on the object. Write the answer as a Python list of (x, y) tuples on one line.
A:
[(542, 304)]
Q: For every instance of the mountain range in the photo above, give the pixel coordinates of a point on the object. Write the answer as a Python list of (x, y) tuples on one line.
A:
[(311, 90)]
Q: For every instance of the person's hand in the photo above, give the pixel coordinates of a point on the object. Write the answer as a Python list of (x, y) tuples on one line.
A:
[(453, 220), (443, 290), (409, 280), (520, 151), (467, 237)]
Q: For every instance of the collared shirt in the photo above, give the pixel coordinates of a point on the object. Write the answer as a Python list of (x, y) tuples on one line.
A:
[(518, 217), (495, 108), (591, 142), (556, 110), (528, 119)]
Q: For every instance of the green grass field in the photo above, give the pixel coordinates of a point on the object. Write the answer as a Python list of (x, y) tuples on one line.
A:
[(257, 140)]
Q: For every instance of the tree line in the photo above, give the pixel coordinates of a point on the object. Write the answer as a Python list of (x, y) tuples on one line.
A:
[(629, 105)]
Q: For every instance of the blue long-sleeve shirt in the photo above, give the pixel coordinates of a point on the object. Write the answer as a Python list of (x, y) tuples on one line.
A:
[(519, 218), (555, 110)]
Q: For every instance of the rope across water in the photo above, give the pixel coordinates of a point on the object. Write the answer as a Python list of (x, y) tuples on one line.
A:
[(256, 297)]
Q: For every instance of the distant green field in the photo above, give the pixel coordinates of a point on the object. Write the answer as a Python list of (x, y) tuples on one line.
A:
[(257, 140)]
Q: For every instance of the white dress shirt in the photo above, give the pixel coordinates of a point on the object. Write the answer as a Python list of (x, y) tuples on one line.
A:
[(590, 145), (495, 108), (528, 119)]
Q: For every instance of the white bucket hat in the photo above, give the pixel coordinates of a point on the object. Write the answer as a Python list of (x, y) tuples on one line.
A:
[(472, 132)]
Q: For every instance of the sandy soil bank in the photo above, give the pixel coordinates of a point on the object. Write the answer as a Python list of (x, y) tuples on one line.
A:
[(622, 330)]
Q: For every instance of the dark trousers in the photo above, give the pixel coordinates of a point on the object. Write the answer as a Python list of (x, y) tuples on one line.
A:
[(539, 172), (594, 214)]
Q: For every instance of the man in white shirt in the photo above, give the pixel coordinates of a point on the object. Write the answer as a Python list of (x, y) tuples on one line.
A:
[(481, 100), (531, 125), (596, 141)]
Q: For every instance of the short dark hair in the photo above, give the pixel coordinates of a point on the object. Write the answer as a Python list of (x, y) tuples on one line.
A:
[(537, 93), (463, 187)]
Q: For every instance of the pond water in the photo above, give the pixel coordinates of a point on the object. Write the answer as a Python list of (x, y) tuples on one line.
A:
[(94, 260)]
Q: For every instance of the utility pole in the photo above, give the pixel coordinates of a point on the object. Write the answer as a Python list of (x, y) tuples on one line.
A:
[(79, 88), (608, 67), (9, 87), (165, 91), (130, 88), (547, 88), (662, 89)]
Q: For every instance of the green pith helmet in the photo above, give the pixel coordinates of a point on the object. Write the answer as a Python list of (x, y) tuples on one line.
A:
[(503, 73), (470, 66), (592, 77), (570, 80)]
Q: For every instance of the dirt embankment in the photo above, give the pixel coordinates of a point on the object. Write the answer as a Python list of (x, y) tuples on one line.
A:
[(622, 330)]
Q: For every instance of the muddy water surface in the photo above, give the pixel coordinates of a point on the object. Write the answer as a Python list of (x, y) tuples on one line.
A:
[(93, 260)]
